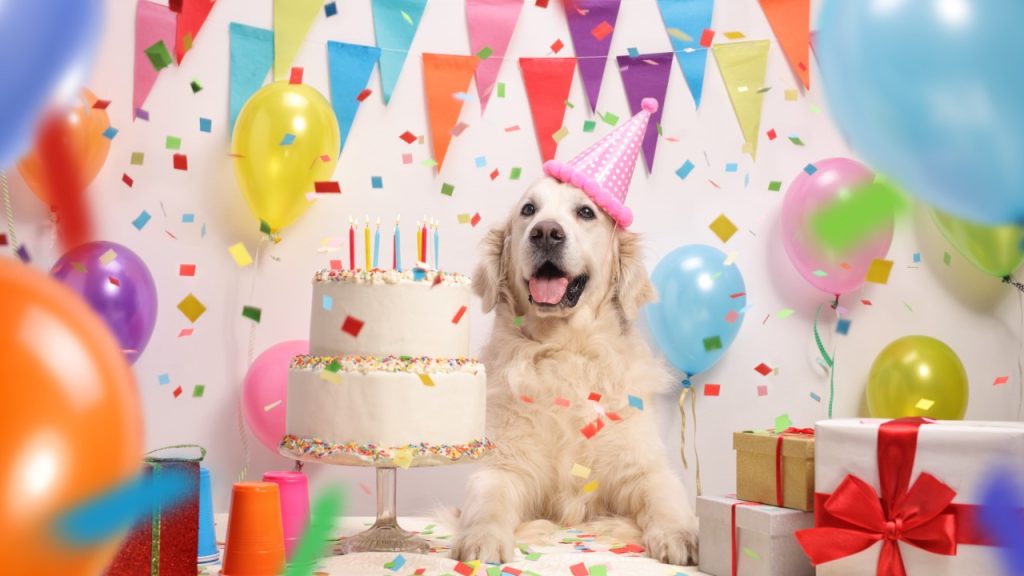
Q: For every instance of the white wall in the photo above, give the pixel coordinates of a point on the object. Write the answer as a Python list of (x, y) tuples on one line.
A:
[(974, 314)]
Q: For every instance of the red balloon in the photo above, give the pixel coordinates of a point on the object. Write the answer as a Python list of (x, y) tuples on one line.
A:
[(70, 421)]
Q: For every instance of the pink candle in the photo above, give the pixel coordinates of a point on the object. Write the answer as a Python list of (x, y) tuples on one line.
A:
[(351, 245)]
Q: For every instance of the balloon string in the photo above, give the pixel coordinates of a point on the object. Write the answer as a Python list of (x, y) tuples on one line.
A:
[(242, 431), (828, 359), (1020, 361), (688, 391), (12, 238)]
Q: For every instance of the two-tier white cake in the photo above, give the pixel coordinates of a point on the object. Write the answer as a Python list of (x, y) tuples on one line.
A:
[(388, 380)]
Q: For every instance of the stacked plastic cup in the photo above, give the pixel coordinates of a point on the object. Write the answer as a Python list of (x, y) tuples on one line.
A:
[(255, 540), (294, 488), (207, 537)]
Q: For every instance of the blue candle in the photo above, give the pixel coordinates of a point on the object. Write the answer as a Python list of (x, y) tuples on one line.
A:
[(437, 248), (398, 245), (376, 244)]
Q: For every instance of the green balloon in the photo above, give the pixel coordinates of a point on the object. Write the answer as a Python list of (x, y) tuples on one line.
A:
[(995, 250), (917, 376)]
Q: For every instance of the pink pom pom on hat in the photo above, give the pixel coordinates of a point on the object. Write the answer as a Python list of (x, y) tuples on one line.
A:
[(603, 171)]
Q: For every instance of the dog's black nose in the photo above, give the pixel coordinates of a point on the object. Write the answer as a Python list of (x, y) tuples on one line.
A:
[(547, 234)]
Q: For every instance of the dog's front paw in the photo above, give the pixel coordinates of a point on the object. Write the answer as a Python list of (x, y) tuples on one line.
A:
[(672, 546), (484, 544)]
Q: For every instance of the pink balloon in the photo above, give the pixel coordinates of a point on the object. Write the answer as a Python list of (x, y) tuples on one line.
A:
[(808, 194), (265, 391)]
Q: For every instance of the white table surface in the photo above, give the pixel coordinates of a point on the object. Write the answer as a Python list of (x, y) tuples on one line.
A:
[(555, 557)]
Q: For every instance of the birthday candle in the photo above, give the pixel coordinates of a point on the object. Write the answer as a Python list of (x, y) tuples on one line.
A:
[(351, 244), (437, 246), (423, 232), (419, 241), (376, 243), (366, 242), (398, 245)]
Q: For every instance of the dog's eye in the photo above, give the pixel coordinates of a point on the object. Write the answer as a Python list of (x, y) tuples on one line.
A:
[(528, 209), (586, 213)]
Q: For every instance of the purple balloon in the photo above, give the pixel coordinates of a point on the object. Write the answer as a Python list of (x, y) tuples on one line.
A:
[(118, 286)]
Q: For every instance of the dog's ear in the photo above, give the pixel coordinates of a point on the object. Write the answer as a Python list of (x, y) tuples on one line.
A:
[(489, 277), (633, 287)]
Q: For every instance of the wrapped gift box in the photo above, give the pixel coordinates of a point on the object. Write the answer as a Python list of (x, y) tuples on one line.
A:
[(166, 543), (762, 457), (764, 541), (910, 485)]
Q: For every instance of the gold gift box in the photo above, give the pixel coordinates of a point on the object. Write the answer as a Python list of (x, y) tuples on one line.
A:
[(755, 468)]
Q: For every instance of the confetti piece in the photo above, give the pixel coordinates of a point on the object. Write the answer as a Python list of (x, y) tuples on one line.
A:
[(590, 487), (158, 55), (458, 315), (364, 95), (181, 162), (187, 270), (141, 220), (326, 508), (592, 428), (163, 379), (327, 187), (775, 186), (526, 399), (408, 137), (253, 313), (127, 180), (763, 369), (602, 30), (791, 94), (924, 404), (594, 397), (515, 173), (751, 554), (579, 570), (101, 104), (241, 255), (684, 170), (712, 343), (327, 302), (463, 569), (784, 313), (762, 390), (610, 119), (679, 35), (196, 86), (562, 402), (352, 326), (518, 321), (810, 169), (191, 307), (108, 257), (731, 167), (580, 471), (1001, 380), (485, 53), (288, 139), (796, 140), (330, 9), (557, 46), (879, 270), (460, 127), (820, 273), (296, 75), (110, 132), (843, 326), (177, 391), (917, 257), (198, 390), (723, 228), (734, 35), (782, 422), (946, 258), (706, 37), (272, 405), (396, 564), (772, 135), (560, 134), (636, 402), (172, 143), (447, 189), (376, 182), (712, 389), (815, 397)]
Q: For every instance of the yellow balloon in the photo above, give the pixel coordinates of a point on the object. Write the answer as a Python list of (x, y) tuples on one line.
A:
[(281, 137), (917, 376)]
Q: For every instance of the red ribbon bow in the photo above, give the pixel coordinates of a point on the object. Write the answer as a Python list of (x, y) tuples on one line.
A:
[(854, 517)]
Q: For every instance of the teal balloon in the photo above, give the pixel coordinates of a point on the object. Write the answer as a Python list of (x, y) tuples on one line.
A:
[(929, 93), (700, 306)]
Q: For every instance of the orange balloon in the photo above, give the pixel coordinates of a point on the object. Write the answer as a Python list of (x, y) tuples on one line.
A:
[(70, 421), (88, 146)]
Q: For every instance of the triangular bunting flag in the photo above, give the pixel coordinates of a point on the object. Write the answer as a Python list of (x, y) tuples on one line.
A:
[(252, 55), (685, 21), (646, 76), (349, 66), (395, 22), (292, 20), (191, 18), (742, 65), (547, 82), (153, 24), (444, 76), (791, 22), (491, 24), (591, 24)]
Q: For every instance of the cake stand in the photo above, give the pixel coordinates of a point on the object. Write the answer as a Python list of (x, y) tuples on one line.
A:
[(385, 535)]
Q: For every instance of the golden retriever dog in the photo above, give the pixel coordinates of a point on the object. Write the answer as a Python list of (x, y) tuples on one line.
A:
[(566, 284)]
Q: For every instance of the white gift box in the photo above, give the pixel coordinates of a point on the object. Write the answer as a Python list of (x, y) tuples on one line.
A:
[(958, 454), (765, 545)]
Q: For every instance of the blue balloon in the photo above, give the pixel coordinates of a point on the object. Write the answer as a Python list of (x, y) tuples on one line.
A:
[(930, 92), (697, 292), (45, 49)]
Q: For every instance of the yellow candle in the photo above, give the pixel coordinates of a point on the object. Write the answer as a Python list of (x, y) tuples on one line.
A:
[(419, 241), (366, 236)]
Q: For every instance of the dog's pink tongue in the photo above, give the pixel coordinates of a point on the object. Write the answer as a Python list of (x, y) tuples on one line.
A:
[(548, 290)]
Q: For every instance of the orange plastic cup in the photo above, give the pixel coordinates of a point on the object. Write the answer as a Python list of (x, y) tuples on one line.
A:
[(255, 542)]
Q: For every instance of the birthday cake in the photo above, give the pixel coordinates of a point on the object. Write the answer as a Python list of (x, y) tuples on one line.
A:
[(388, 381)]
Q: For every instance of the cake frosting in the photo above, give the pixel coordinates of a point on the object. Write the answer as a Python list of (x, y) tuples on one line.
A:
[(388, 380)]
